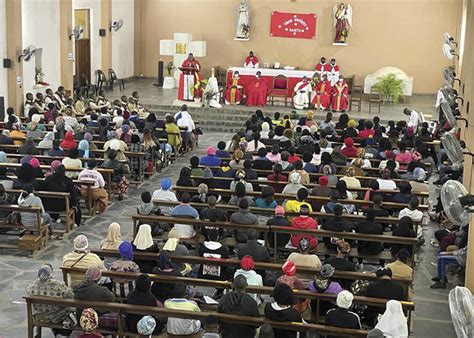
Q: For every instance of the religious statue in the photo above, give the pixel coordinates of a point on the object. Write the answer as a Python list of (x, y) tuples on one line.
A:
[(243, 21), (342, 22)]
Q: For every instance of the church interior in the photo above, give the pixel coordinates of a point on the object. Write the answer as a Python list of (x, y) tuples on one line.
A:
[(236, 168)]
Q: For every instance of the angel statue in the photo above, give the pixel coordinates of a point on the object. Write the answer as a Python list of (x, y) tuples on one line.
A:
[(342, 22), (243, 21)]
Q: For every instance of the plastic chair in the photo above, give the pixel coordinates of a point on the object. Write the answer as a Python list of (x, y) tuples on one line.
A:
[(112, 78)]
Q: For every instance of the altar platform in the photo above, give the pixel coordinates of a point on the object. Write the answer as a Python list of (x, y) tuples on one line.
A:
[(232, 118)]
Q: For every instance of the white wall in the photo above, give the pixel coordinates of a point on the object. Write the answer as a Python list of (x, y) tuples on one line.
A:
[(40, 24), (96, 43), (123, 39), (3, 53)]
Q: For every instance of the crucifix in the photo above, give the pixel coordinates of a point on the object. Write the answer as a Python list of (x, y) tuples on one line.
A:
[(181, 45)]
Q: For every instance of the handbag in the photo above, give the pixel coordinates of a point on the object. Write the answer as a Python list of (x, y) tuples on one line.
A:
[(109, 320)]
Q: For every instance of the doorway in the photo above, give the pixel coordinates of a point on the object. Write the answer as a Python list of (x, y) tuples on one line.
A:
[(82, 47)]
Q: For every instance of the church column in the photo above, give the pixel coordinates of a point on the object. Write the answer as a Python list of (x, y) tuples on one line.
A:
[(14, 49), (137, 40), (106, 46), (65, 28)]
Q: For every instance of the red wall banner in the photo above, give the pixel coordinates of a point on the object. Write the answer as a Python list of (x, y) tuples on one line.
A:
[(293, 25)]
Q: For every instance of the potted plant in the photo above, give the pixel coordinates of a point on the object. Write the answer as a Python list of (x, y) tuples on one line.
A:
[(390, 88)]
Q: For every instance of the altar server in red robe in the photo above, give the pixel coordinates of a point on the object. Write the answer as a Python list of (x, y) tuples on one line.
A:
[(257, 91), (233, 92), (189, 86), (322, 94), (340, 92), (251, 61), (322, 67)]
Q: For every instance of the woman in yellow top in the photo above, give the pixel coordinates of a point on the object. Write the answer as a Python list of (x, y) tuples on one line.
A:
[(174, 135), (17, 133)]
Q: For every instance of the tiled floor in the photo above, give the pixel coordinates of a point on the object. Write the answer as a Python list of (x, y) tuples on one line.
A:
[(431, 319)]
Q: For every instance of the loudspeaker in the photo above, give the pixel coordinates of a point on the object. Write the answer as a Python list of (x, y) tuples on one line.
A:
[(160, 73), (2, 108), (102, 32), (7, 63)]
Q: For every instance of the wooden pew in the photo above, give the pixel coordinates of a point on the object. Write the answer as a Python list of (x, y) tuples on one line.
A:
[(68, 212), (421, 194), (107, 173), (235, 263), (377, 302), (271, 212), (320, 249), (34, 239), (280, 196), (123, 309)]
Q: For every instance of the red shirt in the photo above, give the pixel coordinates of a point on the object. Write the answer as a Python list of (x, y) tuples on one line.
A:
[(293, 158), (304, 223), (366, 133), (349, 152)]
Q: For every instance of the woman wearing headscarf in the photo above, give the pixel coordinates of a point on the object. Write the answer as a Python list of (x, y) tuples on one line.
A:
[(163, 290), (33, 130), (143, 242), (25, 175), (47, 286), (323, 283), (34, 162), (122, 287), (84, 151), (59, 182), (294, 184), (54, 165), (124, 133), (173, 248), (113, 238), (289, 278), (350, 131), (89, 139), (68, 142), (28, 148), (143, 296), (47, 141), (393, 322), (385, 182), (115, 144)]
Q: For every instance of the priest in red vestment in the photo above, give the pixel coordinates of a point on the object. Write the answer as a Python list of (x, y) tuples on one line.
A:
[(189, 86), (340, 92), (322, 67), (322, 94), (257, 91), (233, 94), (251, 61)]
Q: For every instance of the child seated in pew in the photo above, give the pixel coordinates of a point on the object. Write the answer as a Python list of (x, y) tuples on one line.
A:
[(148, 208)]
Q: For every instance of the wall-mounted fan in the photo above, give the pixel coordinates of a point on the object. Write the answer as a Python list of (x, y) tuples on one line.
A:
[(449, 52), (452, 116), (450, 95), (449, 76), (27, 53), (448, 39), (461, 306), (76, 33), (453, 147), (456, 200), (116, 25)]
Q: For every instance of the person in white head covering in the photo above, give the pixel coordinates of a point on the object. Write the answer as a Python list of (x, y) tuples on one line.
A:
[(47, 141), (143, 242), (294, 185), (81, 258), (341, 316), (393, 322)]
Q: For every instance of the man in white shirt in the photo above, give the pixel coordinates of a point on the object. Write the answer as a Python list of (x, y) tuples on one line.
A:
[(412, 211), (416, 118), (184, 119)]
